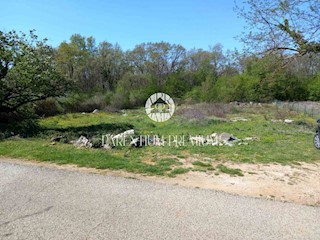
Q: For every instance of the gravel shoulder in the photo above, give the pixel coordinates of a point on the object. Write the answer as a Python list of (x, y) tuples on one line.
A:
[(44, 202), (296, 183)]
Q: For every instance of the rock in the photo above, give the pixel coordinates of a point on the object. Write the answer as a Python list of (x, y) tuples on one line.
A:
[(138, 142), (230, 144), (213, 135), (212, 140), (288, 121), (250, 139), (222, 139), (227, 137), (57, 138), (239, 119), (275, 120), (197, 140), (83, 142), (107, 146), (15, 136), (95, 111), (83, 113), (109, 141), (156, 141), (124, 134), (134, 142), (96, 142), (127, 153)]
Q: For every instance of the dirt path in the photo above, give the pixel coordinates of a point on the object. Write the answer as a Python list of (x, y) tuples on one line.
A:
[(297, 183)]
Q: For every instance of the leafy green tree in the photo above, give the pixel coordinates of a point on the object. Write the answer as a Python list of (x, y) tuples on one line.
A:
[(111, 65), (27, 72), (158, 59), (133, 90), (77, 60)]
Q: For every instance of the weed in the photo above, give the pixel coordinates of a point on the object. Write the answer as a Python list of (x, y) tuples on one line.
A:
[(176, 171), (230, 171), (201, 164), (198, 170)]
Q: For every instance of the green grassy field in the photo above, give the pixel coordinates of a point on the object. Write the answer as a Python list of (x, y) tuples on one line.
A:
[(278, 142)]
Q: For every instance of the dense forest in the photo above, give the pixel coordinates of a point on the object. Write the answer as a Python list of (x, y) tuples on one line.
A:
[(282, 62)]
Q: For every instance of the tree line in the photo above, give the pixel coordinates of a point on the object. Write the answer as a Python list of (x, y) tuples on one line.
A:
[(281, 63), (129, 77)]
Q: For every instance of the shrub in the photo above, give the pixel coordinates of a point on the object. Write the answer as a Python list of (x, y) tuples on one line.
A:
[(203, 110), (48, 107), (24, 123), (132, 91), (314, 89), (77, 102)]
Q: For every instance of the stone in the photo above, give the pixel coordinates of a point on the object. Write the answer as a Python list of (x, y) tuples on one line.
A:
[(57, 138), (138, 142), (95, 111), (239, 119), (156, 141), (227, 137), (124, 134), (275, 120), (107, 146), (83, 142), (288, 121), (196, 140), (250, 139)]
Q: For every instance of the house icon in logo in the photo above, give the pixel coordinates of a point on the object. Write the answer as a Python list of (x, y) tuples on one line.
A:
[(159, 107)]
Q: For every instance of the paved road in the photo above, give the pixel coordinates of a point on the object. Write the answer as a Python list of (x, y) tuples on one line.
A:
[(45, 203)]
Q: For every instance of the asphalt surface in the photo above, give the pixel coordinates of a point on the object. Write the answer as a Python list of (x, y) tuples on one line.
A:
[(45, 203)]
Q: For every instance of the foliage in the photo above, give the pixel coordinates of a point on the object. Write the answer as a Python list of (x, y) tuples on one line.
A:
[(28, 72), (133, 90), (103, 76), (314, 88), (48, 107)]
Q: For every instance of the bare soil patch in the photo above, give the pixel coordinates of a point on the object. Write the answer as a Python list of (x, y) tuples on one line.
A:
[(292, 183)]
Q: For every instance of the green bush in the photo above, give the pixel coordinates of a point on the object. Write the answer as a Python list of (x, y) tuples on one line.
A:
[(132, 91), (25, 123), (314, 89), (81, 102), (48, 107)]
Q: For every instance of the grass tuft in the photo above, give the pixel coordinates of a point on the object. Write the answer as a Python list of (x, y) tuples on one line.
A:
[(230, 171)]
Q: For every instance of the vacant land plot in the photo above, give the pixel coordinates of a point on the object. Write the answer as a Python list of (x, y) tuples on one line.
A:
[(271, 142)]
